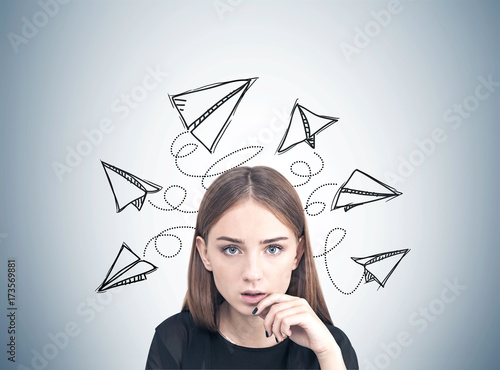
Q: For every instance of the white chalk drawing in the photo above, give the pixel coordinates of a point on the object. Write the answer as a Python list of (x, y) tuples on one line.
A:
[(309, 174), (165, 234), (303, 127), (361, 189), (379, 267), (207, 111), (127, 268), (127, 188)]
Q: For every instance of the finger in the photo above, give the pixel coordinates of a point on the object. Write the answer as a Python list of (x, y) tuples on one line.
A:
[(269, 313), (285, 319), (284, 301), (296, 321), (264, 304)]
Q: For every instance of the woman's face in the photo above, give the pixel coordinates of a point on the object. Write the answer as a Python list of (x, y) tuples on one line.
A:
[(251, 255)]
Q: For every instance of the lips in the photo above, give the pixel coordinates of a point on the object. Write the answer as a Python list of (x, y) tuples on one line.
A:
[(252, 296)]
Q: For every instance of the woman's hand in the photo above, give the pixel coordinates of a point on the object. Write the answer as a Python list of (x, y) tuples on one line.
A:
[(285, 315)]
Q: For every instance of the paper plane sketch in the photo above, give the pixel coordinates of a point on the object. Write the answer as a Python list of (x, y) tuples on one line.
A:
[(207, 111), (379, 267), (360, 189), (127, 188), (127, 268), (303, 127)]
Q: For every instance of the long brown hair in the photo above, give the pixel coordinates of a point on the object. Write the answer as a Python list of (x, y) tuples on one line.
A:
[(272, 190)]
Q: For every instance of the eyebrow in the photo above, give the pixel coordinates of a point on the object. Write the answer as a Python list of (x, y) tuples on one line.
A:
[(231, 240), (267, 241), (274, 240)]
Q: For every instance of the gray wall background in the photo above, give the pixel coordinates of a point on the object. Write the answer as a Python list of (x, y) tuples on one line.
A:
[(412, 81)]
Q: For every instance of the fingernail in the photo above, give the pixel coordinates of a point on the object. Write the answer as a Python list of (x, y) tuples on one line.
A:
[(254, 311), (277, 341), (267, 334)]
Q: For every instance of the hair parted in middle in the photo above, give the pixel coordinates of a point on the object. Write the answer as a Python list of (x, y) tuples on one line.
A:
[(272, 190)]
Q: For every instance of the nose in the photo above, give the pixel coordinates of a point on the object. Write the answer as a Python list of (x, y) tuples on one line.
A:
[(252, 270)]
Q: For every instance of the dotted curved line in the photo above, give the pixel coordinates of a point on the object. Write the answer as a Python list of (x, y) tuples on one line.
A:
[(162, 234), (181, 203), (173, 142), (206, 174), (308, 204), (310, 175), (326, 242), (316, 173), (176, 161), (322, 164), (226, 156), (325, 253), (174, 208), (173, 255), (177, 156), (187, 154), (299, 175), (340, 290)]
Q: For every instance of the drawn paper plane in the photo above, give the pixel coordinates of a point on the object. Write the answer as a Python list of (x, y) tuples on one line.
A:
[(379, 267), (207, 111), (360, 189), (127, 268), (303, 127), (127, 188)]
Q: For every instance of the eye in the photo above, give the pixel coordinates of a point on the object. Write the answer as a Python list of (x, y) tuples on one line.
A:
[(231, 250), (274, 249)]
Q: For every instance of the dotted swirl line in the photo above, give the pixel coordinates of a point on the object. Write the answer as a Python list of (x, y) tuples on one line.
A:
[(206, 174), (174, 208), (310, 175), (340, 290), (325, 253), (165, 234), (228, 155), (326, 242), (189, 144), (177, 155), (308, 204)]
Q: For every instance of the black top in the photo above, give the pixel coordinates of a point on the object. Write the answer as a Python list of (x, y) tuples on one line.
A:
[(179, 343)]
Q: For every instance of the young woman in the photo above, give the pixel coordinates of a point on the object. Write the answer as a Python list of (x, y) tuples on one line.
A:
[(253, 299)]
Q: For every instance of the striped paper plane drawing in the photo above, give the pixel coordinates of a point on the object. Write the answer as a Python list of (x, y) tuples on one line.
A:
[(127, 268), (360, 189), (380, 267), (127, 188), (207, 111), (303, 127)]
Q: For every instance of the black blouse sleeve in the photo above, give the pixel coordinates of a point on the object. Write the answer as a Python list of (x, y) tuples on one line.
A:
[(159, 356), (169, 343), (348, 353)]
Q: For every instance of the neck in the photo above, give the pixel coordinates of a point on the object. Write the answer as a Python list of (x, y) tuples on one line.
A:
[(243, 330)]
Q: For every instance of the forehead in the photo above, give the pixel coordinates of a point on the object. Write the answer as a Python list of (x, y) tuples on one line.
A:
[(250, 218)]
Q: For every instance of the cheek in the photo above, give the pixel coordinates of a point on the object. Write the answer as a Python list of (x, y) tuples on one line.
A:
[(224, 272), (281, 275), (225, 278)]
